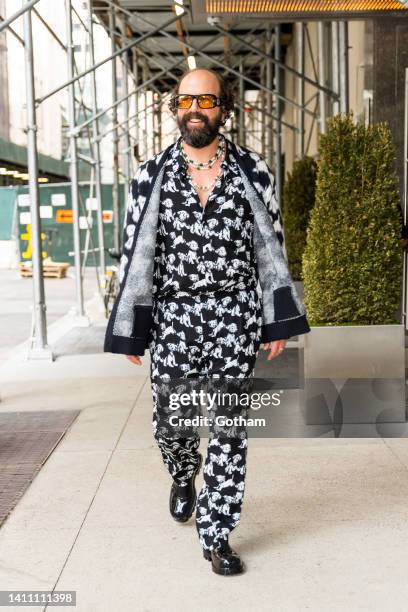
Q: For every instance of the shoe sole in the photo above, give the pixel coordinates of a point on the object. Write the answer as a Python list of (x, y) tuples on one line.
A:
[(223, 572), (187, 518), (229, 572)]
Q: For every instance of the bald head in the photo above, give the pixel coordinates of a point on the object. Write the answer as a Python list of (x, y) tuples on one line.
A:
[(200, 80)]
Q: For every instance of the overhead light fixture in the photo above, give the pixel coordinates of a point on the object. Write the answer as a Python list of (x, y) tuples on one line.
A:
[(292, 7), (178, 7), (43, 179), (191, 61)]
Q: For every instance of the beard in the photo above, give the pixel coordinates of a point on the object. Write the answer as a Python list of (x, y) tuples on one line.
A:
[(199, 136)]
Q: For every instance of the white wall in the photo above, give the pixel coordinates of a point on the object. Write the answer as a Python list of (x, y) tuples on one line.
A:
[(49, 62)]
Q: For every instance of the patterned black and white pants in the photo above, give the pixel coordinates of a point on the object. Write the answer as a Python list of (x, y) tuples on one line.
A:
[(211, 336)]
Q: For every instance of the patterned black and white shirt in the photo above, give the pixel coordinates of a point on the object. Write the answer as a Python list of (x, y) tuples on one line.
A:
[(200, 249)]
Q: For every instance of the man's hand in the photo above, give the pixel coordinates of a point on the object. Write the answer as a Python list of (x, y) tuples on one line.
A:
[(134, 359), (275, 348)]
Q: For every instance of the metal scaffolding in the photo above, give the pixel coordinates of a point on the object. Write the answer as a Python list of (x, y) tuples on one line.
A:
[(149, 54)]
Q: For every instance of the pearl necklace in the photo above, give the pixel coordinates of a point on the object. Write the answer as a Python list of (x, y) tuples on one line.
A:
[(204, 165)]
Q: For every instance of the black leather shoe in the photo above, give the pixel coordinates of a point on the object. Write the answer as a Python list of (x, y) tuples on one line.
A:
[(224, 560), (183, 499)]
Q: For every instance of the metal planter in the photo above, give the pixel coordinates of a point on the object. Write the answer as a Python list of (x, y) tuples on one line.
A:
[(354, 380)]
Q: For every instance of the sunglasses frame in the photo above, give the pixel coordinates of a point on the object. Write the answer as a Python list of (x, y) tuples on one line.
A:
[(218, 101)]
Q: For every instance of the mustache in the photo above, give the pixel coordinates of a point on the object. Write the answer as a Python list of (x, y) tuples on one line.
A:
[(195, 116)]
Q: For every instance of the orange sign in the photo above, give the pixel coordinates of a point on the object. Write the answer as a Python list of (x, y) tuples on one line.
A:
[(64, 216)]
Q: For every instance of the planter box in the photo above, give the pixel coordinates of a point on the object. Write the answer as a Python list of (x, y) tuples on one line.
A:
[(354, 380)]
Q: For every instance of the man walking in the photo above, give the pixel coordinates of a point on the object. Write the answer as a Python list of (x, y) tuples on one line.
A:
[(203, 234)]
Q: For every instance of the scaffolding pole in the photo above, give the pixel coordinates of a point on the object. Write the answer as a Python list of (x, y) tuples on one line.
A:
[(322, 75), (73, 156), (96, 147), (269, 98), (335, 66), (278, 121), (127, 165), (115, 137), (263, 95), (40, 350), (145, 117), (241, 123), (137, 124), (404, 318), (343, 65), (300, 61)]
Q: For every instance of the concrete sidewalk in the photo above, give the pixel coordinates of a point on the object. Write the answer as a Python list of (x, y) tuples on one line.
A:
[(16, 305), (324, 524)]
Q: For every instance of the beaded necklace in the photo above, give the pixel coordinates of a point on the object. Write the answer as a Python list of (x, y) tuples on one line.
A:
[(203, 165), (206, 187), (211, 185)]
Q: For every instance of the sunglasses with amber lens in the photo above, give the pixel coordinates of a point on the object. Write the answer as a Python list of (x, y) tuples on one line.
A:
[(203, 100)]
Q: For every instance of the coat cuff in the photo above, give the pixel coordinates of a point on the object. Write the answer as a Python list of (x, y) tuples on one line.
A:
[(282, 330), (125, 345)]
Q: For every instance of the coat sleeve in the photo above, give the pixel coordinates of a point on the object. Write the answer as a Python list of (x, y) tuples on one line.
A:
[(114, 343), (265, 184), (289, 312), (129, 225)]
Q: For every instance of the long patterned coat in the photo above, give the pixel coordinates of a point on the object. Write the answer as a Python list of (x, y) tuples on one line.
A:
[(131, 318)]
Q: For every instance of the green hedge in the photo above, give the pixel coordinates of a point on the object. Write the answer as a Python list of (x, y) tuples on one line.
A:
[(298, 200), (352, 262)]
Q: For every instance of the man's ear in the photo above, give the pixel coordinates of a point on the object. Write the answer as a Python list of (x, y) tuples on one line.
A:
[(172, 108)]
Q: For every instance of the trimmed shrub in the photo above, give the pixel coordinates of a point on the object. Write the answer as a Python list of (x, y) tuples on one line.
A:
[(298, 200), (352, 262)]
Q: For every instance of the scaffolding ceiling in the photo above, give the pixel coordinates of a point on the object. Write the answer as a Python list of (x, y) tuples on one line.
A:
[(198, 31), (194, 34)]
